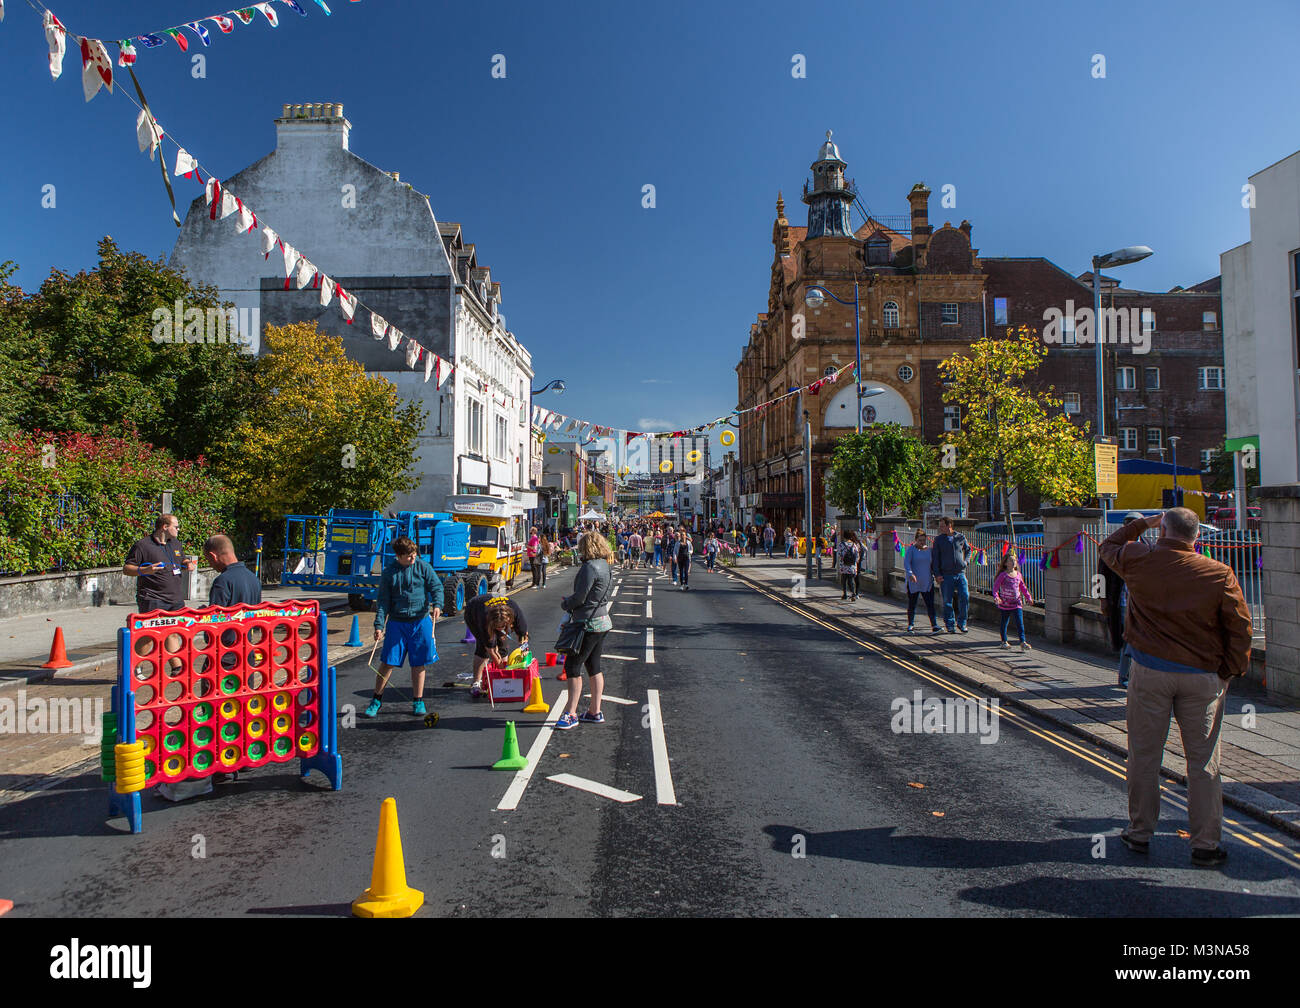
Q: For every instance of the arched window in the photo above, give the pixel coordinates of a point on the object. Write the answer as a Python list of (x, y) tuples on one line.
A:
[(891, 315)]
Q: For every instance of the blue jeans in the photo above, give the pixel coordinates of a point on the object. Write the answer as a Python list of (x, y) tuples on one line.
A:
[(708, 560), (956, 595), (1125, 660), (658, 557), (1013, 614)]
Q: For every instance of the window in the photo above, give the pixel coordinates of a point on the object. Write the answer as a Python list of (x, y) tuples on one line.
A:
[(1155, 438), (1126, 379), (474, 426), (948, 313), (1067, 331), (1209, 321), (1153, 379), (1128, 439), (952, 418), (1148, 320), (891, 315), (499, 442), (999, 311), (1207, 458), (1072, 402), (1209, 378), (905, 373)]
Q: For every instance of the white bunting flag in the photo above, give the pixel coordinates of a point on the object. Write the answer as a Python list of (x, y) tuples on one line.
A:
[(326, 291), (269, 238), (349, 305), (96, 68), (290, 262), (378, 327), (147, 133), (395, 337), (56, 36), (412, 352), (305, 272), (270, 13), (247, 220), (428, 365), (228, 205), (185, 163)]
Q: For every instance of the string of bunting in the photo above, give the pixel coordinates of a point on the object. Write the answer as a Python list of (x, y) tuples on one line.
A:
[(225, 24), (97, 72)]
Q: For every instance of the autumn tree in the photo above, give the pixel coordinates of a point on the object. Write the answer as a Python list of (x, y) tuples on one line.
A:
[(321, 434), (1020, 438)]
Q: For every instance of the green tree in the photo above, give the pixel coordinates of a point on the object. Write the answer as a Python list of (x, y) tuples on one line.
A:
[(1019, 437), (81, 351), (886, 464), (1221, 479), (322, 434)]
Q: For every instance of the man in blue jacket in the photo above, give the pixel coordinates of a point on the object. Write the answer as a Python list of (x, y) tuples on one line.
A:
[(951, 554), (409, 602)]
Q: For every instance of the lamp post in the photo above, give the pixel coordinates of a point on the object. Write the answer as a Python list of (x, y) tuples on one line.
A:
[(815, 298), (1120, 257), (557, 386), (1173, 444)]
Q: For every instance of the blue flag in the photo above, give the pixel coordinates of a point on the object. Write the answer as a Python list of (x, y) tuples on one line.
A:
[(199, 30)]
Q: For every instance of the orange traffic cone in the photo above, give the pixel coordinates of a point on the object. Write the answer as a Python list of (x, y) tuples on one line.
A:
[(58, 656)]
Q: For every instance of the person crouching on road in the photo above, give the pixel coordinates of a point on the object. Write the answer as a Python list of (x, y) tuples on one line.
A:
[(492, 620), (409, 602), (588, 604)]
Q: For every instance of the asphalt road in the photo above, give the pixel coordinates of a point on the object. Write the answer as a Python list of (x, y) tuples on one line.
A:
[(793, 796)]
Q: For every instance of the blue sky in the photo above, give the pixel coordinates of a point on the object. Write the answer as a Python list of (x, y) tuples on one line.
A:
[(644, 311)]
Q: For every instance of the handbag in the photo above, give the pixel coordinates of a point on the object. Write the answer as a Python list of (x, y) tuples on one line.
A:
[(572, 634)]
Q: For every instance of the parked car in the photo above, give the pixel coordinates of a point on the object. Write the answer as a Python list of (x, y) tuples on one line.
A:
[(1226, 517)]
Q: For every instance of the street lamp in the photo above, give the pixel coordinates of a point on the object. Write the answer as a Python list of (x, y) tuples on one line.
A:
[(1120, 257), (557, 386), (1173, 444)]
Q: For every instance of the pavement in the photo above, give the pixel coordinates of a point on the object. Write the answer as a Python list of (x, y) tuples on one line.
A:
[(1075, 690), (751, 764)]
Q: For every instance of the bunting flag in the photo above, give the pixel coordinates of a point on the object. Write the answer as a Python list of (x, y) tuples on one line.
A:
[(96, 68), (212, 193), (56, 35), (269, 240), (378, 327), (1056, 557), (270, 13), (247, 219), (223, 22), (200, 31), (150, 41), (148, 133), (1042, 564), (1259, 562), (1020, 557), (293, 5), (322, 6), (305, 272), (1078, 543), (186, 165), (412, 352), (125, 53), (395, 337), (245, 14), (348, 303), (898, 546), (290, 262), (980, 559), (180, 38), (428, 365), (327, 293), (1005, 546)]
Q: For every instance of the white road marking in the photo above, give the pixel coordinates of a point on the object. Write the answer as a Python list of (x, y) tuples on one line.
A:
[(649, 645), (649, 612), (650, 588), (663, 774), (510, 801), (595, 787), (622, 631), (614, 593), (618, 657), (614, 699)]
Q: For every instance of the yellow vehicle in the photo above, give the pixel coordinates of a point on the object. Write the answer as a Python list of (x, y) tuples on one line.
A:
[(497, 537)]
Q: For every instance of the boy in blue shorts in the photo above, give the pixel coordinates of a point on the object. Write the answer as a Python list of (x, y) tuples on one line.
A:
[(409, 601)]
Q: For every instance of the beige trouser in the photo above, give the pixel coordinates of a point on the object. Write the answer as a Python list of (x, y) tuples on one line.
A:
[(1196, 701)]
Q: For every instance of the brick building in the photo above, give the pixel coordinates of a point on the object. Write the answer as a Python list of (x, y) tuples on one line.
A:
[(925, 294)]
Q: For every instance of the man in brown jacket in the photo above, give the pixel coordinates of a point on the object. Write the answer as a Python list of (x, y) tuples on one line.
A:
[(1188, 631)]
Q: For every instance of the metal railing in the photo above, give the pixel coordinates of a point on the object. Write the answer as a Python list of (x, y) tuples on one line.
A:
[(1030, 553)]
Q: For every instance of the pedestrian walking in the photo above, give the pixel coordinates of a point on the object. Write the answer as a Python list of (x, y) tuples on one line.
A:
[(635, 543), (849, 555), (769, 539), (491, 619), (544, 550), (710, 551), (751, 538), (588, 608), (1189, 632), (659, 547), (407, 606), (789, 542), (684, 547), (670, 553), (534, 564), (951, 554), (1010, 590), (918, 561), (158, 561), (1114, 607), (234, 584)]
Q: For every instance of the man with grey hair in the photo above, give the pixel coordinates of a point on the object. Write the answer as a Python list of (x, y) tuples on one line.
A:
[(234, 583), (1188, 632)]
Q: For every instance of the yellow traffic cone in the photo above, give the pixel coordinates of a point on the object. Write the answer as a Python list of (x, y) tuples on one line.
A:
[(536, 702), (388, 895)]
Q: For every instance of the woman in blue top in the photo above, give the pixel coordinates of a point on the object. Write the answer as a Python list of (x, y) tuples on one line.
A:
[(920, 579)]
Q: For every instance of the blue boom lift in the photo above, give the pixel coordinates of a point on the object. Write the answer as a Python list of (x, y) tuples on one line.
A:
[(345, 551)]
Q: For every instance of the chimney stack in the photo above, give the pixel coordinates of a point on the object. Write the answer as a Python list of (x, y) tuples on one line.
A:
[(312, 122), (919, 198)]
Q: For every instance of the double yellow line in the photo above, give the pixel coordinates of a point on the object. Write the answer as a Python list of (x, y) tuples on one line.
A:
[(1245, 834)]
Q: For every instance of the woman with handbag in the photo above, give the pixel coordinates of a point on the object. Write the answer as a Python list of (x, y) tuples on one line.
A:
[(582, 637), (544, 550)]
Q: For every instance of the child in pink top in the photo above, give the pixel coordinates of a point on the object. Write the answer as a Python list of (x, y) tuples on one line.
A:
[(1009, 589)]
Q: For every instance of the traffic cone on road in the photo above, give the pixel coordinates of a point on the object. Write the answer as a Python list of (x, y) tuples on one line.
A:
[(510, 757), (58, 655), (388, 895), (355, 639), (469, 637), (536, 702)]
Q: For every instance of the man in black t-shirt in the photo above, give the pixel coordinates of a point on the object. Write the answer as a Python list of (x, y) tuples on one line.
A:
[(159, 562)]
